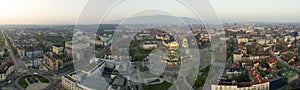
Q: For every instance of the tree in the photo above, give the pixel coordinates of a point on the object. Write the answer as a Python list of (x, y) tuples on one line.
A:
[(243, 78), (279, 66), (250, 49), (139, 56), (288, 87)]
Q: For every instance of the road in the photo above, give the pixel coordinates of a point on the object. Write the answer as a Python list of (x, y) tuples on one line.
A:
[(22, 70), (18, 67)]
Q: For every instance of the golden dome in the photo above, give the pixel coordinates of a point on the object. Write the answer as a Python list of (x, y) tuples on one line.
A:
[(174, 44)]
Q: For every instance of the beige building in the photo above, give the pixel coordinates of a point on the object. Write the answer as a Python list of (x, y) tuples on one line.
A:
[(204, 37), (57, 49), (68, 44), (242, 39), (101, 42), (149, 45), (272, 62), (162, 37), (237, 56), (6, 68), (261, 41), (70, 83)]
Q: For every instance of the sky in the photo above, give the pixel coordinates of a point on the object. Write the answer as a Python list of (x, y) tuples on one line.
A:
[(40, 11), (68, 11)]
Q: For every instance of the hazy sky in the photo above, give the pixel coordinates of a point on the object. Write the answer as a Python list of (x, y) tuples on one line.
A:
[(40, 11), (258, 10), (67, 11)]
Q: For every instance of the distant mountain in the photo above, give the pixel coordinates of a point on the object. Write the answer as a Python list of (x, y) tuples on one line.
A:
[(156, 19)]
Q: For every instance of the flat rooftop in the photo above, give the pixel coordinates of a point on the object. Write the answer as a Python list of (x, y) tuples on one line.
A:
[(289, 73)]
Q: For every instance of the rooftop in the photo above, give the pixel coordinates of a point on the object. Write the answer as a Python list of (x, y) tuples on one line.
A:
[(256, 77), (272, 60), (119, 80), (289, 73), (5, 64)]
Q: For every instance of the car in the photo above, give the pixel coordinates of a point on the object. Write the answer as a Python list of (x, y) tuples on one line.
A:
[(35, 73), (9, 81)]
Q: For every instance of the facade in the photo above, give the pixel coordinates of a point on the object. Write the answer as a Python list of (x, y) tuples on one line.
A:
[(276, 83), (57, 49), (237, 57), (35, 53), (235, 70), (68, 44), (68, 47), (149, 45), (52, 62), (272, 62), (21, 51), (185, 49), (204, 37), (274, 52), (172, 55), (261, 41), (6, 68), (242, 39), (162, 37), (70, 83), (103, 42)]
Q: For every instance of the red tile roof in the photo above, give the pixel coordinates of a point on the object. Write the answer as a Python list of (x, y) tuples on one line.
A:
[(255, 61), (235, 65), (247, 62), (256, 77), (298, 64), (254, 74), (272, 60)]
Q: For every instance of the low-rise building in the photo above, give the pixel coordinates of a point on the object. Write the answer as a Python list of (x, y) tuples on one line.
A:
[(257, 83), (70, 83), (87, 78), (6, 68), (35, 53), (272, 62), (55, 62), (237, 56), (149, 45), (235, 70), (261, 41), (275, 81), (204, 36), (242, 39), (119, 83), (57, 49)]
